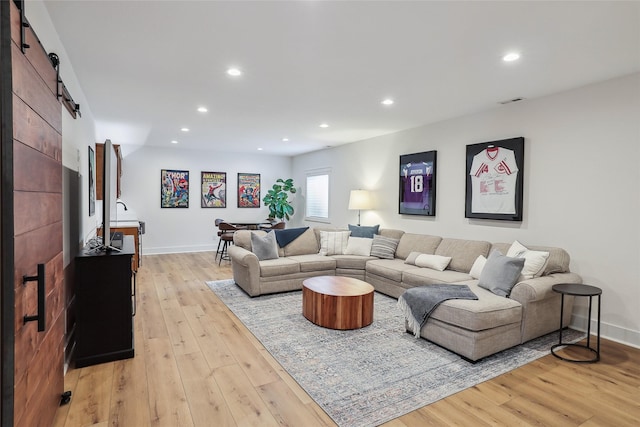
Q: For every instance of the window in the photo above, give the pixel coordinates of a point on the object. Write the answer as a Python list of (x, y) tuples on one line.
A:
[(317, 208)]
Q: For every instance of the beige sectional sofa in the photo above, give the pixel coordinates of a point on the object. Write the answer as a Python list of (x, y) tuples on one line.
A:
[(472, 328)]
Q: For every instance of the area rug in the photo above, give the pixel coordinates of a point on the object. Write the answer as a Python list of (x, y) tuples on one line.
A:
[(367, 376)]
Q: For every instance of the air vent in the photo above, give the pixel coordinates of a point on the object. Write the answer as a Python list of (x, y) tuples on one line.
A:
[(509, 101)]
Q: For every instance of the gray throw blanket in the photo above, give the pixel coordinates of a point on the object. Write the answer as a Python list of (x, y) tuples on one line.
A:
[(418, 303)]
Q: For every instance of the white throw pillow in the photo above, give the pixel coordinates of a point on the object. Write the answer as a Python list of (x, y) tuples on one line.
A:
[(437, 262), (358, 246), (478, 265), (333, 242), (534, 261)]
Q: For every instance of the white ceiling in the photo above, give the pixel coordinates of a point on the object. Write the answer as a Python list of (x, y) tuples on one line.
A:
[(145, 66)]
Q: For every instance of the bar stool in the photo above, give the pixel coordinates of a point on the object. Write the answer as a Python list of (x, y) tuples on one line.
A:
[(227, 231)]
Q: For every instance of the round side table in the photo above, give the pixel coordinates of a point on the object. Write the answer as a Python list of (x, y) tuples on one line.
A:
[(579, 290)]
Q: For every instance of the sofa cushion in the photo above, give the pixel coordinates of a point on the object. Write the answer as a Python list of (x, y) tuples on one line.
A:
[(427, 276), (264, 246), (391, 232), (463, 253), (487, 312), (500, 273), (352, 262), (358, 246), (278, 267), (389, 268), (304, 244), (314, 262), (423, 243), (384, 247), (333, 242), (364, 230)]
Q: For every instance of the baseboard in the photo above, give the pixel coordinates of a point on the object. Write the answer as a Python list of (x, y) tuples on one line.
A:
[(607, 330), (178, 249)]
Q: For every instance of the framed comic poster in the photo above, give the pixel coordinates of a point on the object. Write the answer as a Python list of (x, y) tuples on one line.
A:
[(92, 182), (248, 190), (418, 183), (174, 189), (213, 190), (495, 172)]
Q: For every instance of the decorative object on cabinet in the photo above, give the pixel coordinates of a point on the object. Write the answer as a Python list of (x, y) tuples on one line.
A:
[(174, 188), (495, 172), (248, 190), (213, 188), (277, 199), (418, 184), (92, 182)]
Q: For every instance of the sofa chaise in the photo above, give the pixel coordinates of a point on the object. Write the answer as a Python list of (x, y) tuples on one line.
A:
[(473, 329)]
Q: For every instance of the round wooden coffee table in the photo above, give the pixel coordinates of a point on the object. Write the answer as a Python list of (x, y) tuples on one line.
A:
[(337, 302)]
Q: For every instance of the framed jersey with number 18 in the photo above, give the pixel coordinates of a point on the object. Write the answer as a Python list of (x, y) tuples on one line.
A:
[(418, 184)]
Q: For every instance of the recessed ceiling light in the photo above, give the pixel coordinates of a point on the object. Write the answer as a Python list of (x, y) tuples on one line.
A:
[(234, 72), (202, 109), (510, 57), (324, 125), (184, 129), (174, 142), (387, 102), (285, 139), (260, 149)]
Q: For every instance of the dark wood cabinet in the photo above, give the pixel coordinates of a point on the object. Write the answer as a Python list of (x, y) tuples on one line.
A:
[(105, 304)]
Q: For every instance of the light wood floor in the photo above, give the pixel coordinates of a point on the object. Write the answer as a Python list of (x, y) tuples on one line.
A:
[(197, 365)]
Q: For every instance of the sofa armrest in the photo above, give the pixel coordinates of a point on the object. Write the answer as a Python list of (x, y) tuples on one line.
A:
[(246, 269), (539, 288)]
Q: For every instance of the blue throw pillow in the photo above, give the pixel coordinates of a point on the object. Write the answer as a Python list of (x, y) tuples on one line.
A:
[(363, 230)]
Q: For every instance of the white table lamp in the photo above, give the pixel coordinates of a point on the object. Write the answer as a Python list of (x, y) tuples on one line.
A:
[(358, 200)]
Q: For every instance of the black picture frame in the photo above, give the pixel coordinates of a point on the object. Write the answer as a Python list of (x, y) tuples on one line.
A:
[(213, 189), (494, 188), (174, 188), (248, 190), (417, 184), (92, 181)]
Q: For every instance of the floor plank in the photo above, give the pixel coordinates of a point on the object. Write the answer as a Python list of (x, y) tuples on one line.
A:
[(197, 365)]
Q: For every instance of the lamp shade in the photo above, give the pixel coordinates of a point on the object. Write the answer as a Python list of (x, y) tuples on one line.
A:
[(359, 199)]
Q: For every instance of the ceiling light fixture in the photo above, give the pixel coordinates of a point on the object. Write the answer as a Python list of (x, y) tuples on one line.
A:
[(510, 57), (285, 139), (387, 102), (234, 72), (174, 142), (184, 129), (202, 109), (259, 148), (324, 125)]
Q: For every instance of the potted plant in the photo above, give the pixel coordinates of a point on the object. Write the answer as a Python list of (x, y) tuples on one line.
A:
[(277, 199)]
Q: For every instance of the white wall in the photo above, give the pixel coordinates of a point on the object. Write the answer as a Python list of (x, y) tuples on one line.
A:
[(580, 190), (191, 229)]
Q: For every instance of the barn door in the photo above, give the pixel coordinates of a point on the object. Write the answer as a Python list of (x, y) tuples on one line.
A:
[(31, 225)]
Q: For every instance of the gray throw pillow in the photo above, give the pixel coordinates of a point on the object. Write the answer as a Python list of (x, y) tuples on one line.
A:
[(265, 247), (500, 273), (364, 230), (384, 247)]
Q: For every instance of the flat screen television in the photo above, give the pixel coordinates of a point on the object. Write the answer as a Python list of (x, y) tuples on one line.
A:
[(109, 193)]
